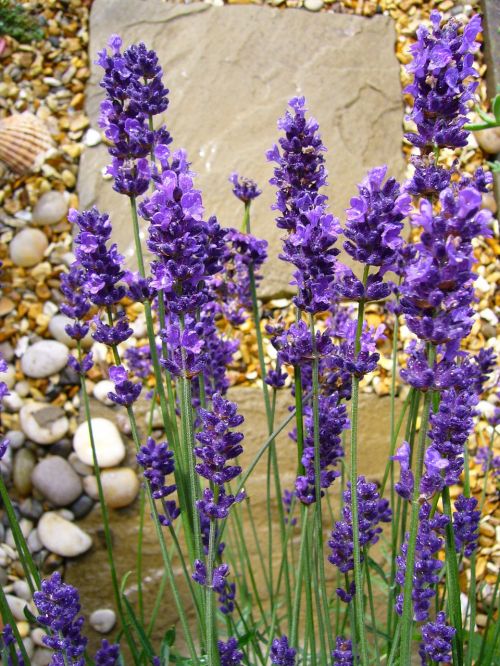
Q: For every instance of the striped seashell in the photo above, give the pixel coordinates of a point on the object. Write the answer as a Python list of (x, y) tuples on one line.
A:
[(24, 142)]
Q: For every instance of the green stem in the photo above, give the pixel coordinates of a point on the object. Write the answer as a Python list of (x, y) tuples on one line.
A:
[(452, 583), (310, 634), (8, 618), (213, 653), (358, 576), (407, 617), (491, 610), (303, 555)]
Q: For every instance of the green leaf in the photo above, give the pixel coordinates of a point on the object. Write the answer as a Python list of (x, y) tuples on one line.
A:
[(376, 567), (139, 629), (29, 615), (495, 107), (166, 644)]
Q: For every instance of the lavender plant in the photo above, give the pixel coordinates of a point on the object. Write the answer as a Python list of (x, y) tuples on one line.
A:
[(301, 600)]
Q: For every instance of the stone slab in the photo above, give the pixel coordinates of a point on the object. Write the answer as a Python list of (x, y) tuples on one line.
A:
[(491, 20), (231, 71)]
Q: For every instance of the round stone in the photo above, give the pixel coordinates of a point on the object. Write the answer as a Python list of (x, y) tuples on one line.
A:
[(16, 438), (16, 606), (42, 656), (57, 327), (120, 486), (50, 208), (92, 137), (82, 506), (24, 464), (110, 450), (9, 376), (313, 5), (42, 423), (28, 247), (489, 140), (12, 402), (57, 481), (62, 537), (103, 620), (101, 390), (44, 358)]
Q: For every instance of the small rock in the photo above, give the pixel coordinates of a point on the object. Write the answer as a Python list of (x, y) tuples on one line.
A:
[(82, 506), (6, 306), (31, 508), (6, 351), (41, 656), (44, 358), (50, 208), (489, 202), (313, 5), (24, 464), (16, 606), (92, 138), (110, 450), (57, 329), (37, 635), (22, 589), (80, 468), (489, 140), (62, 537), (12, 402), (42, 423), (26, 526), (34, 543), (9, 376), (22, 388), (16, 438), (28, 247), (103, 620), (57, 481), (101, 390), (24, 628), (120, 486)]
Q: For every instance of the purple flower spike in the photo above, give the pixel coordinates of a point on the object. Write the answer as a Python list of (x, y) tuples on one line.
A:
[(4, 445), (281, 653), (443, 84), (244, 189), (374, 221), (342, 655), (437, 638), (58, 605), (219, 575), (126, 392), (157, 461), (107, 655), (229, 653), (226, 599), (404, 487), (466, 524)]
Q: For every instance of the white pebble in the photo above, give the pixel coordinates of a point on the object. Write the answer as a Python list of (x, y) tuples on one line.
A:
[(44, 358), (110, 450), (57, 327), (9, 376), (50, 432), (62, 537), (101, 390), (50, 208), (92, 138), (103, 620), (28, 247)]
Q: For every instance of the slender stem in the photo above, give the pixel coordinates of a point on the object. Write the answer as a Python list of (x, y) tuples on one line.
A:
[(452, 583), (407, 617), (491, 611), (310, 634), (358, 597), (105, 515), (303, 555), (299, 415), (213, 653), (372, 606), (8, 618)]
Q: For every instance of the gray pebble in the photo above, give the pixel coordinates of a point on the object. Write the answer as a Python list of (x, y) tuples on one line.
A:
[(16, 438), (82, 506), (57, 481), (103, 620)]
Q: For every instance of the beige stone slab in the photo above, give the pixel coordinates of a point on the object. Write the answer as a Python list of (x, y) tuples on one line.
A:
[(231, 71)]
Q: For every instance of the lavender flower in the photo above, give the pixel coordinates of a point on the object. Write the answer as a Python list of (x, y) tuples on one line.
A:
[(138, 360), (187, 249), (157, 460), (217, 506), (404, 487), (374, 220), (275, 378), (466, 524), (287, 498), (437, 638), (295, 346), (244, 189), (4, 445), (218, 582), (58, 605), (81, 368), (427, 566), (76, 304), (281, 654), (372, 510), (229, 653), (126, 392), (300, 163), (442, 66), (107, 655), (332, 420), (342, 655), (226, 599), (344, 355), (489, 462), (8, 640)]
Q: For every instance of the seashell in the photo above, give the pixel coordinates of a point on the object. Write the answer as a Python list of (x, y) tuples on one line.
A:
[(24, 142)]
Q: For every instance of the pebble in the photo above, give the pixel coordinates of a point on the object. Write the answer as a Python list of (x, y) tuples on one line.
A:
[(101, 390), (6, 351), (44, 358), (34, 543), (80, 468), (57, 481), (42, 656), (120, 486), (24, 464), (62, 537), (489, 140), (28, 247), (42, 423), (82, 506), (313, 5), (23, 628), (31, 508), (103, 620), (50, 208), (22, 589), (12, 402), (16, 438), (22, 388), (16, 606), (9, 376), (37, 635), (57, 329), (110, 450), (92, 138)]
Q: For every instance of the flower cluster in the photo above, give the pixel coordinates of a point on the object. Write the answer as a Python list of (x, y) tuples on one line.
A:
[(442, 68), (218, 582), (108, 654), (219, 444), (427, 566), (436, 641), (295, 345), (7, 641), (58, 605), (372, 510), (134, 92), (229, 653), (76, 304), (466, 524), (126, 392), (157, 461), (281, 653), (244, 189), (332, 421), (342, 655)]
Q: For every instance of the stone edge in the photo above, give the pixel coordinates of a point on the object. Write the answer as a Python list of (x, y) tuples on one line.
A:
[(491, 15)]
